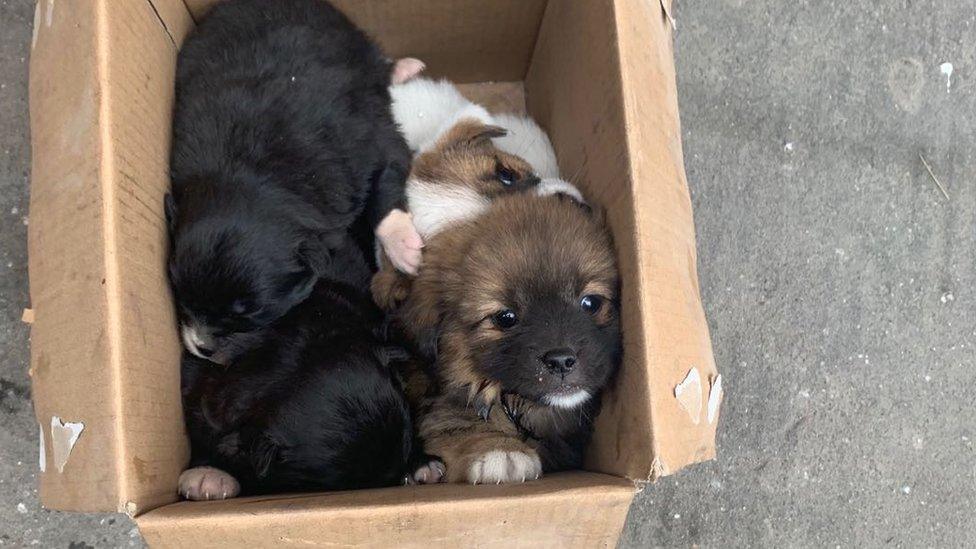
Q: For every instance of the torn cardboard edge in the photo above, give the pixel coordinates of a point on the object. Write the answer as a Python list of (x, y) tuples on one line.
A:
[(666, 8)]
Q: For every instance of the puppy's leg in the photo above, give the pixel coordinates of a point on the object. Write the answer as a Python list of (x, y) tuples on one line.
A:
[(477, 451), (405, 68), (400, 241), (386, 211), (204, 483), (389, 286)]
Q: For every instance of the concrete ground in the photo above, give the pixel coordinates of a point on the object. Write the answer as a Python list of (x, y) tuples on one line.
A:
[(839, 282)]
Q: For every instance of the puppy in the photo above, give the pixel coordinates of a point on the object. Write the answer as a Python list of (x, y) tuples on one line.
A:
[(454, 180), (283, 144), (313, 405), (521, 304)]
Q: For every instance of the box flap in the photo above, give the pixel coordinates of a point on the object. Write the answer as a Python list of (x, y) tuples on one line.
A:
[(474, 40), (103, 343), (602, 82), (565, 510)]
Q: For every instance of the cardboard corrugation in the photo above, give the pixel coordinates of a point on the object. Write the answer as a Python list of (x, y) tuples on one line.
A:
[(598, 75)]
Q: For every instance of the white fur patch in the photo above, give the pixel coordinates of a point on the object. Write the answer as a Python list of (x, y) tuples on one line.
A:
[(435, 206), (422, 106), (192, 340), (498, 466), (568, 401), (550, 186), (526, 139)]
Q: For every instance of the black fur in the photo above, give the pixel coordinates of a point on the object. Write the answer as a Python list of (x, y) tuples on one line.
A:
[(283, 144), (284, 151), (314, 405)]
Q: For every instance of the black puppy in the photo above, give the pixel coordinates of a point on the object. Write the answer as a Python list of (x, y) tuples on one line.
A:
[(314, 405), (283, 143)]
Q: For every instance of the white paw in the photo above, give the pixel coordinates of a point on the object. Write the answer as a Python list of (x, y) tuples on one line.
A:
[(406, 68), (202, 483), (498, 466), (431, 473), (400, 241)]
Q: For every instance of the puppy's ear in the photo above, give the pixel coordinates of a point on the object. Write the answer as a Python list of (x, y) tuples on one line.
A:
[(299, 283), (471, 133), (169, 207)]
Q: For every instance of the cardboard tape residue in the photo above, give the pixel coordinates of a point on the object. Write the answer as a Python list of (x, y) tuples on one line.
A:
[(689, 395), (63, 439), (42, 450), (714, 399)]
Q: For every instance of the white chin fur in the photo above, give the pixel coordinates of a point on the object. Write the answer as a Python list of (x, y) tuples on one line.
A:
[(191, 340), (569, 400)]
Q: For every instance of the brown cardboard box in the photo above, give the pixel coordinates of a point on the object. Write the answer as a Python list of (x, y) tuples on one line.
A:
[(597, 74)]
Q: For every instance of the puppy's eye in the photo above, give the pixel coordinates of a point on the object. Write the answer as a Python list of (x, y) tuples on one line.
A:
[(505, 319), (506, 176), (591, 304)]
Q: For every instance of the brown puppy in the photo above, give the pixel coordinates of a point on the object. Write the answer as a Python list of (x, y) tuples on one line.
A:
[(521, 306), (452, 182)]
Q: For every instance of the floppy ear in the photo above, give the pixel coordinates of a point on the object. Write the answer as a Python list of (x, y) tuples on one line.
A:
[(169, 207), (471, 133), (300, 283)]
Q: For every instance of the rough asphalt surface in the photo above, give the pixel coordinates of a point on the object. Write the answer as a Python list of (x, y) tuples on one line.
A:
[(839, 282)]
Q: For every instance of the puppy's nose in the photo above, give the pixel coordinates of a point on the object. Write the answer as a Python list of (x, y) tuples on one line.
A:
[(559, 361)]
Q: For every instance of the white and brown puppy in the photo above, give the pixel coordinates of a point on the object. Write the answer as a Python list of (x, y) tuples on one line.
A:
[(454, 180), (521, 303)]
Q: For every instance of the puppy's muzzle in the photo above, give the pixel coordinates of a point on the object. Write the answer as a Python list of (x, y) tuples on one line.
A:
[(196, 342)]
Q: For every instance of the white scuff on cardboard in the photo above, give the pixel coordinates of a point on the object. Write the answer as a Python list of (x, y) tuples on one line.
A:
[(689, 395), (714, 399), (64, 435)]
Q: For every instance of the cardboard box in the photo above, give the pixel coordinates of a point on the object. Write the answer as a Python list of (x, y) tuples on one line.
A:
[(597, 74)]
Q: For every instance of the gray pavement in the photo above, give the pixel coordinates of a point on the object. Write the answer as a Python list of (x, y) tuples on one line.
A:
[(840, 284)]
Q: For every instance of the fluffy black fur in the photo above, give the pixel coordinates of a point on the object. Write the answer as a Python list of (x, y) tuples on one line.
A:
[(283, 143), (313, 405)]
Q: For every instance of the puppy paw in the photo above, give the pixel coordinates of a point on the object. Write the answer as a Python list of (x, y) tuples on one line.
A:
[(431, 472), (498, 466), (406, 68), (204, 483), (400, 241)]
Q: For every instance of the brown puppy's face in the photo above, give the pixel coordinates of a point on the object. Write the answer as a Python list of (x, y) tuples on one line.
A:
[(532, 302), (465, 156)]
